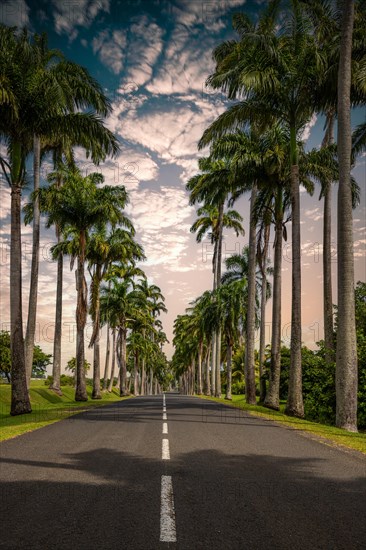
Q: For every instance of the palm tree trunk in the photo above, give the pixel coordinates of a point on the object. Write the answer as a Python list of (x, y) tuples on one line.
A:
[(262, 343), (20, 403), (96, 370), (346, 361), (56, 366), (295, 406), (81, 312), (272, 399), (107, 356), (213, 365), (207, 377), (33, 289), (250, 336), (143, 377), (218, 284), (229, 355), (136, 374), (199, 368), (110, 385), (327, 255), (123, 369)]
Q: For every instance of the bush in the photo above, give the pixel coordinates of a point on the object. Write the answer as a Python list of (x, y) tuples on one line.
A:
[(238, 388)]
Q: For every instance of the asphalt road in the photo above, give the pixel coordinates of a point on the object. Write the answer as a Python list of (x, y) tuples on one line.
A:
[(111, 479)]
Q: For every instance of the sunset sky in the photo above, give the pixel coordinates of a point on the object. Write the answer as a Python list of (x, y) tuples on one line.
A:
[(153, 57)]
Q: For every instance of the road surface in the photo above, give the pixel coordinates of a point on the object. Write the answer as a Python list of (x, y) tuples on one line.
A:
[(178, 472)]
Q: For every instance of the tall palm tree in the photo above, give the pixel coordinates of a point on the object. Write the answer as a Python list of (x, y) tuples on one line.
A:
[(278, 68), (346, 364), (15, 58), (231, 311), (117, 302), (212, 221), (103, 249), (80, 206)]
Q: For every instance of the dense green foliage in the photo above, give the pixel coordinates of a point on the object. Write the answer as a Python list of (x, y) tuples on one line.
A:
[(40, 359)]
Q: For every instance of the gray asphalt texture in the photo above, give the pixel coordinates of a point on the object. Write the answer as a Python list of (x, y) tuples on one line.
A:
[(93, 482)]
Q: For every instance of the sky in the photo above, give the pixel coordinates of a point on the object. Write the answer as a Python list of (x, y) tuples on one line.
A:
[(152, 59)]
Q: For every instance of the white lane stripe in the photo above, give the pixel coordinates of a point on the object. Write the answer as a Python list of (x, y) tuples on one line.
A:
[(165, 453), (164, 409), (167, 515), (165, 428), (165, 416)]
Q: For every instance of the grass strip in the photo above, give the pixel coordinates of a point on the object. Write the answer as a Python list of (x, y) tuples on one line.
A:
[(47, 408), (321, 432)]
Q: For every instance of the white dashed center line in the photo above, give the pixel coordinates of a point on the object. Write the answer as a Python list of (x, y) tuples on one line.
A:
[(165, 428), (165, 453), (167, 514), (165, 416)]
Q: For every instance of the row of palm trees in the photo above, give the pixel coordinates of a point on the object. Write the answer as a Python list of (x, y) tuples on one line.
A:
[(281, 71), (49, 106)]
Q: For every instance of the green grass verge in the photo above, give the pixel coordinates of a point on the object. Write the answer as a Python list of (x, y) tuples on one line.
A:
[(47, 408), (330, 434)]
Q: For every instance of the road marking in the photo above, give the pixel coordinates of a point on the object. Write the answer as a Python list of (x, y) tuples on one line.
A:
[(165, 428), (164, 409), (165, 416), (167, 515), (165, 453)]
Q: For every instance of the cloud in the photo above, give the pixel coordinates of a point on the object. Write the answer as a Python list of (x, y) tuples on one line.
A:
[(14, 13), (129, 168), (207, 14), (145, 47), (307, 129), (111, 48), (171, 131), (315, 214), (160, 218), (71, 14)]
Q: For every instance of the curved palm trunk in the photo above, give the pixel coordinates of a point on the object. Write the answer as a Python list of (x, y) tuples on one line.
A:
[(81, 312), (272, 399), (107, 356), (250, 332), (110, 385), (20, 403), (123, 369), (262, 343), (33, 289), (229, 356), (327, 255), (346, 364), (295, 406)]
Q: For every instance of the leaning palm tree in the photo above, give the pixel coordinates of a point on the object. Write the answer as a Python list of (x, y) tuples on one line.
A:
[(80, 206)]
